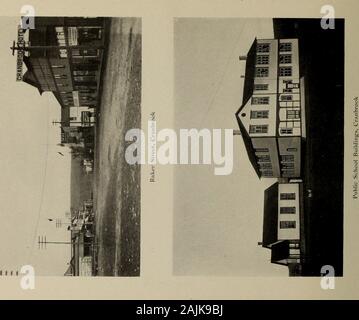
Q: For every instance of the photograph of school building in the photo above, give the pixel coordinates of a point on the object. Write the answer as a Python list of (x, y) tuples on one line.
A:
[(279, 141)]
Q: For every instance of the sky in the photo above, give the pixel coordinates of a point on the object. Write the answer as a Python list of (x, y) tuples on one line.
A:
[(218, 219), (35, 181)]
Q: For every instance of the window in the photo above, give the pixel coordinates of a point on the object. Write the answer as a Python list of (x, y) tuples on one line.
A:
[(285, 71), (88, 34), (287, 210), (287, 224), (58, 66), (286, 97), (285, 58), (60, 76), (285, 47), (84, 73), (287, 158), (260, 100), (261, 72), (286, 130), (262, 59), (262, 114), (292, 150), (88, 53), (288, 165), (287, 90), (260, 86), (263, 128), (263, 158), (261, 150), (287, 173), (263, 47), (266, 165), (267, 173), (294, 252), (73, 118), (293, 114), (287, 196), (84, 78)]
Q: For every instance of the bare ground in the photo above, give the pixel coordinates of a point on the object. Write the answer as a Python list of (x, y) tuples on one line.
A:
[(117, 184)]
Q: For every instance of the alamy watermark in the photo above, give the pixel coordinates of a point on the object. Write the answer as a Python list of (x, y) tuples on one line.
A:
[(188, 146), (27, 280), (328, 277)]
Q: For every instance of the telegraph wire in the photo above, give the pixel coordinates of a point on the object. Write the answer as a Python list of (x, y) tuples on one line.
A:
[(229, 59)]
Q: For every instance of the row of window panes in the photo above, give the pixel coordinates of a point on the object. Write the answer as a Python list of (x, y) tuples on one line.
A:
[(287, 224), (267, 173), (264, 86), (262, 59), (287, 196), (260, 86), (283, 59), (293, 114), (287, 210), (260, 114), (283, 47), (294, 123), (263, 72), (287, 172), (287, 157), (286, 97), (286, 130), (263, 158), (265, 165), (260, 100), (261, 150), (288, 165), (262, 128), (264, 114)]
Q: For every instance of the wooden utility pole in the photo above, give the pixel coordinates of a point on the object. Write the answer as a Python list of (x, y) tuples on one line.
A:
[(43, 242)]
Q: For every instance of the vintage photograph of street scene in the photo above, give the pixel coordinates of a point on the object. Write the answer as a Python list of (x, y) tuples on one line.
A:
[(71, 88), (279, 84)]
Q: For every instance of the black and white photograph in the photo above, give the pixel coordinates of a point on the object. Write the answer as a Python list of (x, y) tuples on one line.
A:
[(71, 88), (279, 85)]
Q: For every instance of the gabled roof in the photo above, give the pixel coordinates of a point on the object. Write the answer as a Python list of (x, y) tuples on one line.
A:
[(270, 216), (247, 94), (280, 251), (30, 77)]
